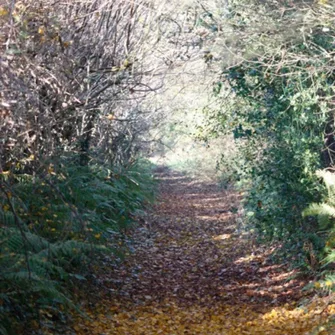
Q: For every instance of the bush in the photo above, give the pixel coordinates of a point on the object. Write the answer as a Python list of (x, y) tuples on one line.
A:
[(277, 104), (55, 226)]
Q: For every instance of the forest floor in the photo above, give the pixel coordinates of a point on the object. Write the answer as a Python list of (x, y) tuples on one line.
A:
[(191, 270)]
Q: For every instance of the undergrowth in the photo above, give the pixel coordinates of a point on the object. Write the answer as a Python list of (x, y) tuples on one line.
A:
[(54, 228), (278, 105)]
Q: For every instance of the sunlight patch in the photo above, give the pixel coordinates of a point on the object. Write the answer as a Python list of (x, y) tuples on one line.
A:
[(249, 258), (221, 237)]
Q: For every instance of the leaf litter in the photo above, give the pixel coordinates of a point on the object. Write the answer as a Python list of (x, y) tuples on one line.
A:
[(190, 269)]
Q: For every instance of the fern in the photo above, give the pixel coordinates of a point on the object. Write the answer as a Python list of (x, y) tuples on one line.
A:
[(51, 239), (329, 180), (325, 211), (325, 214)]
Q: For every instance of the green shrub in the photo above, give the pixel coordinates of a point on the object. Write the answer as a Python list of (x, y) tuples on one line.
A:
[(277, 105), (54, 226)]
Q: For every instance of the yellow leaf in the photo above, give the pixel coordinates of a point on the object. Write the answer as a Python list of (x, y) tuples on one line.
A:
[(77, 328), (3, 11), (41, 30), (6, 208), (51, 169), (329, 283)]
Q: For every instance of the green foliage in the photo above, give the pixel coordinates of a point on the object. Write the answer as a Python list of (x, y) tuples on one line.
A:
[(282, 129), (278, 107), (325, 213), (55, 226)]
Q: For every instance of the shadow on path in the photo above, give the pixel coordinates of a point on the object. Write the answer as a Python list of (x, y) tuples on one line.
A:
[(194, 271), (198, 255)]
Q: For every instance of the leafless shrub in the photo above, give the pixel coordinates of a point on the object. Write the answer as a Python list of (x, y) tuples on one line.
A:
[(72, 76)]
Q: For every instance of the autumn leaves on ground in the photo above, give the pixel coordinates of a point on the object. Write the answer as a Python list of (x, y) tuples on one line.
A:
[(190, 269)]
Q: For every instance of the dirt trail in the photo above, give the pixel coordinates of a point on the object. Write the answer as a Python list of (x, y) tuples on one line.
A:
[(192, 271)]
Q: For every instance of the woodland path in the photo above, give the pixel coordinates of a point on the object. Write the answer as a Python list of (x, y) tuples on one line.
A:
[(191, 271)]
